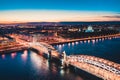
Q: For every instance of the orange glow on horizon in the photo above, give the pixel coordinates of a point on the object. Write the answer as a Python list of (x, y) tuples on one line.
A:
[(22, 16)]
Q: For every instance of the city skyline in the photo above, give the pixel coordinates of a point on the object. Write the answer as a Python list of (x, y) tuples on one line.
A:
[(59, 39), (13, 11)]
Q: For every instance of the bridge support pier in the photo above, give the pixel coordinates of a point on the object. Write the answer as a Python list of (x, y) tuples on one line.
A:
[(64, 60)]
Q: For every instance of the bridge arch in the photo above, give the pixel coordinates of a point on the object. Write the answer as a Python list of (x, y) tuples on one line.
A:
[(95, 65)]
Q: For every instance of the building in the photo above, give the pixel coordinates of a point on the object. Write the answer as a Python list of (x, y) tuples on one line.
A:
[(73, 29), (89, 29)]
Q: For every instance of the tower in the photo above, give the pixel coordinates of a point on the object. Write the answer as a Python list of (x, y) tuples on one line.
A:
[(64, 58)]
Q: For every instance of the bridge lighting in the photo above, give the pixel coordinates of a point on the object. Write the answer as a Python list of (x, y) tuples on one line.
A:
[(97, 62)]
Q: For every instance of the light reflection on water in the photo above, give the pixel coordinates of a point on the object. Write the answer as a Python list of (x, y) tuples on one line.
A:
[(24, 55), (13, 55), (107, 48), (73, 43), (28, 65), (38, 62), (3, 56), (88, 41), (93, 41), (85, 41), (69, 44), (76, 43)]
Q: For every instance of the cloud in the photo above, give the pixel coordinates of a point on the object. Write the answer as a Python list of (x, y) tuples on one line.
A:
[(112, 16)]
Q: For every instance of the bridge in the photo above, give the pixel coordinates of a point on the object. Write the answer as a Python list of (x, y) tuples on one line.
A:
[(41, 47), (45, 49), (102, 68)]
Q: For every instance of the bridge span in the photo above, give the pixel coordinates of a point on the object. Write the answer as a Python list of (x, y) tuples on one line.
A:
[(45, 49), (39, 46), (99, 67)]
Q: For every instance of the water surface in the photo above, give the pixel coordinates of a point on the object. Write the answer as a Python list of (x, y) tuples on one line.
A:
[(104, 48), (28, 65)]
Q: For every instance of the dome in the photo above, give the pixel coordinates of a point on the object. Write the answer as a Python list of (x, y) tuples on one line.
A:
[(89, 29)]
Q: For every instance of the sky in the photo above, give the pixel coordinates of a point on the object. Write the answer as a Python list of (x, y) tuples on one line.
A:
[(59, 10)]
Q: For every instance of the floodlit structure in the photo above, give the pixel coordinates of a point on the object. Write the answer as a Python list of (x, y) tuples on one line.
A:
[(89, 29)]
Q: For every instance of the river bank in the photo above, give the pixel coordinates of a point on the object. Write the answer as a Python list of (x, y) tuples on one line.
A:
[(84, 39)]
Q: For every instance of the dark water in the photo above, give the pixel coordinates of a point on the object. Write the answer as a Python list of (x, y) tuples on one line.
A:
[(28, 65), (105, 48)]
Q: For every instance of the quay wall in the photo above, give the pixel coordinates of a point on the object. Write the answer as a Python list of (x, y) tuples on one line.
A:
[(84, 39)]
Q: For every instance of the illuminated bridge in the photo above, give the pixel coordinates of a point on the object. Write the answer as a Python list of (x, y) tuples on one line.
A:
[(41, 47), (102, 68), (44, 48)]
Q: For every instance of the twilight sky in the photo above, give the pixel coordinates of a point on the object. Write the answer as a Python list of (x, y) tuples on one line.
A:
[(59, 10)]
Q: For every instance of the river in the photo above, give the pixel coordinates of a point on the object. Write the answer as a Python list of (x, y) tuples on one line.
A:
[(104, 48), (28, 65)]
